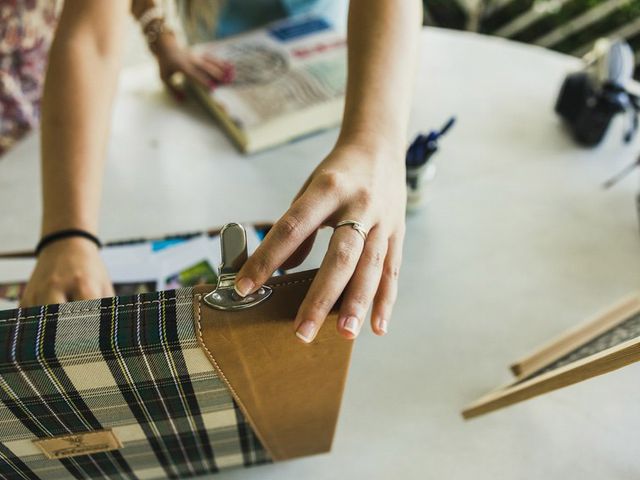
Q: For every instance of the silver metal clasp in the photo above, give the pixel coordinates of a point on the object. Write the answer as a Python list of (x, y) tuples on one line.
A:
[(233, 243)]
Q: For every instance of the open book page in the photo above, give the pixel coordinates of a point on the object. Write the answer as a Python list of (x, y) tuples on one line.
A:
[(190, 263), (13, 278), (285, 68), (138, 267)]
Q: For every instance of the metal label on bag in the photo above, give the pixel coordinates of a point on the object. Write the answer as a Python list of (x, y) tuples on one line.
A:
[(76, 444)]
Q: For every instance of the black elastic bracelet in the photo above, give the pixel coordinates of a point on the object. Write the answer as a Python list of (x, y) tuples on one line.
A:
[(61, 234)]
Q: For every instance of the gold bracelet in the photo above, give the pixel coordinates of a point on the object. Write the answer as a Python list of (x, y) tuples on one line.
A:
[(153, 30), (149, 15)]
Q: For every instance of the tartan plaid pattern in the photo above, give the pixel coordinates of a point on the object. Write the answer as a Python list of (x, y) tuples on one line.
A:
[(130, 364)]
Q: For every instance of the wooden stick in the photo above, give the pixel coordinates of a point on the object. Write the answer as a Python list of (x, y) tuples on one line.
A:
[(576, 337), (603, 362)]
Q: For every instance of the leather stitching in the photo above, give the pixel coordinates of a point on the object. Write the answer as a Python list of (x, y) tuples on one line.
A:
[(95, 309), (284, 284), (225, 379), (136, 304)]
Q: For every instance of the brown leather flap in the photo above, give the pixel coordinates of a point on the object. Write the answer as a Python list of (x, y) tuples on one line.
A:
[(289, 391)]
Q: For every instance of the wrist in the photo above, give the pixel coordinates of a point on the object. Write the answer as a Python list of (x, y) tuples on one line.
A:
[(53, 225), (160, 38), (164, 44), (373, 144), (70, 244), (73, 238)]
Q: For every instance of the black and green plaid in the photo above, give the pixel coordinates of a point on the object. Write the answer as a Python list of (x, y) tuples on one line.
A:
[(130, 364)]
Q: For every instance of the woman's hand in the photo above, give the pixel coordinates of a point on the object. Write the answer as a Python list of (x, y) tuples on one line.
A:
[(353, 183), (67, 270), (202, 69)]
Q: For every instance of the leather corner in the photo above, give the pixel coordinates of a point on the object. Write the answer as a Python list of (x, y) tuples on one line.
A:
[(289, 391)]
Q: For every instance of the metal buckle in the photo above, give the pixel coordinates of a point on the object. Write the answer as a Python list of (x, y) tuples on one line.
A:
[(233, 243)]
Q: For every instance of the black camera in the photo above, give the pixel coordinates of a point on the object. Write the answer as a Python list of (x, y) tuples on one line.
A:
[(591, 98)]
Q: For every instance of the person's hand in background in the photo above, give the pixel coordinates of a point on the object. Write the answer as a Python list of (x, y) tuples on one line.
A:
[(67, 270), (175, 61)]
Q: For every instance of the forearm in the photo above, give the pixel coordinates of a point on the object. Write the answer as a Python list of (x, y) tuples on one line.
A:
[(382, 43), (79, 89)]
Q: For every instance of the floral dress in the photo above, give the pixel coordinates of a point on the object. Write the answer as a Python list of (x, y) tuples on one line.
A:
[(26, 31)]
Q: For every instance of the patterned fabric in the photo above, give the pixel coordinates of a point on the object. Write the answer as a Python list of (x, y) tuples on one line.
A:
[(568, 26), (130, 364), (26, 30)]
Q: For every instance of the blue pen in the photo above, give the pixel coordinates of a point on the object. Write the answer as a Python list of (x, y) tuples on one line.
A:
[(420, 168)]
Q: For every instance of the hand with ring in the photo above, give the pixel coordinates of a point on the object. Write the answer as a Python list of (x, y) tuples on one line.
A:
[(361, 192)]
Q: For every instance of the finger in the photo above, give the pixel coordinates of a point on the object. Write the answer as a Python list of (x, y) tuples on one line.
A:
[(199, 76), (223, 64), (108, 290), (48, 297), (300, 254), (363, 285), (85, 292), (335, 271), (26, 297), (228, 69), (216, 70), (302, 219), (388, 289)]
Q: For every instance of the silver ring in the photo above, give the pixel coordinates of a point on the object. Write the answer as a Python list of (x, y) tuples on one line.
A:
[(357, 226)]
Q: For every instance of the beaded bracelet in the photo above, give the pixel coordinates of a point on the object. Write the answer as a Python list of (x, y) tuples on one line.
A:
[(152, 23), (153, 13)]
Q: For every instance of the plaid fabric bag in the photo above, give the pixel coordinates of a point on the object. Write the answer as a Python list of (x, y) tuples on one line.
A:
[(163, 385)]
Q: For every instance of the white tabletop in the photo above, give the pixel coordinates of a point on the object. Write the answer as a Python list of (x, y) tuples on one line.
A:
[(518, 243)]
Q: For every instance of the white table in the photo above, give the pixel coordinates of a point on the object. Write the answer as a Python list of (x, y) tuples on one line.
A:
[(518, 243)]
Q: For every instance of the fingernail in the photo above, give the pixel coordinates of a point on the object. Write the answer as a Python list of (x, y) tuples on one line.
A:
[(351, 325), (306, 331), (244, 286), (383, 325), (229, 74)]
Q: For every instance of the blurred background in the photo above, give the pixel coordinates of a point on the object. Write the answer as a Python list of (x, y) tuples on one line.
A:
[(567, 26)]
